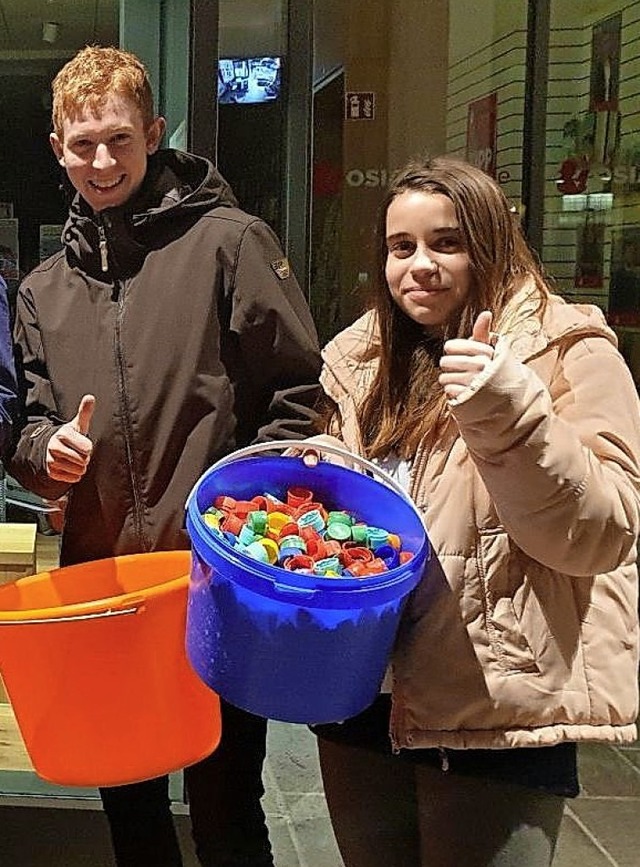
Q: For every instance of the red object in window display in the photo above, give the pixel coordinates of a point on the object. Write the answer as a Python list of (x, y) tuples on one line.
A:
[(327, 179), (574, 173)]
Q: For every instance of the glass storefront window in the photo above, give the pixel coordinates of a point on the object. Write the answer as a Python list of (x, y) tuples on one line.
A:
[(36, 39), (592, 196)]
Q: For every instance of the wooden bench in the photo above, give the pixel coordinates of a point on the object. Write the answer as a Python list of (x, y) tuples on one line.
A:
[(17, 551), (17, 560)]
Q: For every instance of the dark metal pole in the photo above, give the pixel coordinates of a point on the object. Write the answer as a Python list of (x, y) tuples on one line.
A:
[(203, 78), (297, 194), (535, 121)]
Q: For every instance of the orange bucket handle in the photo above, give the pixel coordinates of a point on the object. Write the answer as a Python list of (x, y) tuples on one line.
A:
[(128, 606)]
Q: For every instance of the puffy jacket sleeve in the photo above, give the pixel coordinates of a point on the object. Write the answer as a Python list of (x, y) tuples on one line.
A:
[(560, 462), (28, 462), (9, 415), (276, 341)]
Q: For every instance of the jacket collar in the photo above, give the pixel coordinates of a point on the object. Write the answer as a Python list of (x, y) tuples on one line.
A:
[(178, 188)]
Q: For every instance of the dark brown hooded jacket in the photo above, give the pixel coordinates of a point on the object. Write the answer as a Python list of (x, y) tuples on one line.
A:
[(179, 313)]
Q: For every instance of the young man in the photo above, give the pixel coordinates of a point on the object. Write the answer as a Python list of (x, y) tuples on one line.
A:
[(167, 333), (8, 386)]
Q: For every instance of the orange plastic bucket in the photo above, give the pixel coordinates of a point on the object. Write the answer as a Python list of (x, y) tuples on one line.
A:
[(94, 663)]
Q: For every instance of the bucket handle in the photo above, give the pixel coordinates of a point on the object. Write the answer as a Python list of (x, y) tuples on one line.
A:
[(98, 615), (306, 445)]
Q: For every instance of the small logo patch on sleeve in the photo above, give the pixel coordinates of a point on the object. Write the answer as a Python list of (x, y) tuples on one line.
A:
[(281, 268)]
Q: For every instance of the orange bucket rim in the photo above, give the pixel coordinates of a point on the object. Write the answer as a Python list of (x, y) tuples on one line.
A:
[(101, 607)]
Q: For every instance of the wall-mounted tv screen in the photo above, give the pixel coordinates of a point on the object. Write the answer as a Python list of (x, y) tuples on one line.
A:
[(248, 80)]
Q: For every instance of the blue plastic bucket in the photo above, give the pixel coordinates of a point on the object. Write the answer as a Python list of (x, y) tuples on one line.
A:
[(288, 646)]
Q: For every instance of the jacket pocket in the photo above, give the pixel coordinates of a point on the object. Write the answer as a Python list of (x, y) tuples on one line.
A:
[(505, 593)]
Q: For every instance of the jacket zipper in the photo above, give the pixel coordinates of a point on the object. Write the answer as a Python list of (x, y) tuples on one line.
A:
[(444, 760), (124, 401), (102, 246)]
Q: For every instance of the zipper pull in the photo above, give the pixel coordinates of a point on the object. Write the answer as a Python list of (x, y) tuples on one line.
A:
[(444, 760), (102, 244)]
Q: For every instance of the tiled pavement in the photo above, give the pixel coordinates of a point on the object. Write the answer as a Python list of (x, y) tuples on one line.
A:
[(601, 827)]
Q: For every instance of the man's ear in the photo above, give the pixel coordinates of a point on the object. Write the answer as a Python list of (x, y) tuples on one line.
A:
[(154, 134), (58, 150)]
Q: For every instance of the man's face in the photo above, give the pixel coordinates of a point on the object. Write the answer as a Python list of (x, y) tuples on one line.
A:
[(105, 154)]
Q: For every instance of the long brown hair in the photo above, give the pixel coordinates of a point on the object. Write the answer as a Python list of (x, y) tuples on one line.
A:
[(406, 401)]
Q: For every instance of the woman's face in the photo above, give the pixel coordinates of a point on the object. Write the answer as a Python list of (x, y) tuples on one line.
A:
[(427, 269)]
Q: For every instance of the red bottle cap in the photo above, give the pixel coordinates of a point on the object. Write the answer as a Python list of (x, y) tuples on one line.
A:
[(232, 524), (297, 496), (243, 507), (227, 504), (300, 561)]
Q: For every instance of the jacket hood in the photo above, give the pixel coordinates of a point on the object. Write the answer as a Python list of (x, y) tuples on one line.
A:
[(529, 334), (177, 189)]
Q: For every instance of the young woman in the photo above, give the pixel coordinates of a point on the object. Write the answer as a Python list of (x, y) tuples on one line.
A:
[(513, 422)]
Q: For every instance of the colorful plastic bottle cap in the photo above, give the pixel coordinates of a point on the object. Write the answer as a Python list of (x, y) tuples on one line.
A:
[(395, 540), (212, 510), (257, 521), (313, 518), (339, 531), (271, 547), (231, 538), (216, 531), (288, 553), (309, 533), (341, 517), (293, 542), (389, 555), (290, 529), (260, 502), (227, 504), (329, 564), (243, 508), (231, 524), (246, 536), (297, 496), (277, 520), (317, 549), (361, 554), (299, 563), (375, 567), (359, 533), (274, 504), (256, 551), (405, 556), (332, 547), (211, 520), (376, 536), (310, 507)]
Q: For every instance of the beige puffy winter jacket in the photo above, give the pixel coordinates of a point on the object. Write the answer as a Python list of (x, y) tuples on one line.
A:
[(524, 630)]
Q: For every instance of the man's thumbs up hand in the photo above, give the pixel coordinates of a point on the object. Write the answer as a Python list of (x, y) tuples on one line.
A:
[(69, 449), (83, 417)]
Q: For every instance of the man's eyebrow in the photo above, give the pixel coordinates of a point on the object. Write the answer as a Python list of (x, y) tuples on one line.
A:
[(79, 136)]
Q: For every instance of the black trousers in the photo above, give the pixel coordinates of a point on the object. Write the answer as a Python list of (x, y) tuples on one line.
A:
[(224, 791)]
